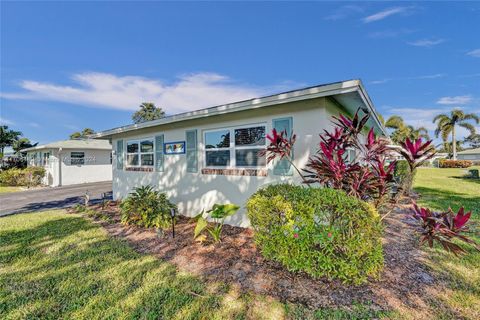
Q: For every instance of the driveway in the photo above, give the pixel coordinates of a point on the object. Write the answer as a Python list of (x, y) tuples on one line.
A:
[(52, 198)]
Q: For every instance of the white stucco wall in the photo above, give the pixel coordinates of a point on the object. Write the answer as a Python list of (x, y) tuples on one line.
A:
[(59, 171), (193, 192), (468, 156), (97, 167)]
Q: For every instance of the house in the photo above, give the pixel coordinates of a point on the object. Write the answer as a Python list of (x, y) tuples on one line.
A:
[(72, 161), (210, 156), (471, 154)]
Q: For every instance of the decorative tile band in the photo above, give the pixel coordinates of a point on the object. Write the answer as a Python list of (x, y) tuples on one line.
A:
[(139, 169), (236, 172)]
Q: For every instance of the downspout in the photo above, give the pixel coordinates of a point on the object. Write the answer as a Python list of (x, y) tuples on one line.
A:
[(59, 167)]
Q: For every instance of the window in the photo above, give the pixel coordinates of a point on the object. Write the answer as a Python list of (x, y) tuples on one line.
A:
[(140, 153), (46, 158), (241, 151), (77, 158)]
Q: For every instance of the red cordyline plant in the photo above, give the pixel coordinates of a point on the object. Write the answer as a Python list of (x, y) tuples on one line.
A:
[(443, 227), (281, 147), (366, 176), (416, 152)]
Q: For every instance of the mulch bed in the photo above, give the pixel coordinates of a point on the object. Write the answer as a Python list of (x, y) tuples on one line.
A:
[(404, 285)]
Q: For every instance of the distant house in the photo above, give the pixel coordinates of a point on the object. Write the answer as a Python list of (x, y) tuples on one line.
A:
[(471, 154), (212, 155), (73, 161)]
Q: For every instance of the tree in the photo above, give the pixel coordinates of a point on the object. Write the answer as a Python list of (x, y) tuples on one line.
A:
[(446, 126), (148, 112), (22, 143), (403, 131), (473, 140), (7, 138), (82, 134)]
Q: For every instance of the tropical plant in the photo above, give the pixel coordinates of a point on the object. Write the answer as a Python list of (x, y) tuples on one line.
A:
[(473, 140), (402, 131), (446, 125), (22, 143), (7, 138), (82, 134), (366, 176), (218, 213), (147, 207), (443, 227), (148, 112)]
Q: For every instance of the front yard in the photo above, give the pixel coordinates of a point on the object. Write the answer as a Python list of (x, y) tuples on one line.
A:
[(62, 265), (57, 265), (439, 189)]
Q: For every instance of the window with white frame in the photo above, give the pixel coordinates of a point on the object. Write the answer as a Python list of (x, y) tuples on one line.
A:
[(140, 153), (77, 158), (235, 147)]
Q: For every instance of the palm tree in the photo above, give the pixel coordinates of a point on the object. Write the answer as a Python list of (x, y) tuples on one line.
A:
[(21, 144), (402, 131), (446, 126), (82, 134), (7, 137), (148, 112)]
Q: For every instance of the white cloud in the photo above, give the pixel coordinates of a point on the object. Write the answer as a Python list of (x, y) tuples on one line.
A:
[(384, 14), (428, 43), (474, 53), (188, 92), (6, 122), (455, 100), (344, 12), (34, 125)]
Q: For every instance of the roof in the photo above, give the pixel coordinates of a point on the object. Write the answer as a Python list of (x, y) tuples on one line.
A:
[(470, 151), (340, 90), (74, 144)]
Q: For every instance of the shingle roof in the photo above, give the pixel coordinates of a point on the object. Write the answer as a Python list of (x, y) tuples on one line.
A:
[(74, 144)]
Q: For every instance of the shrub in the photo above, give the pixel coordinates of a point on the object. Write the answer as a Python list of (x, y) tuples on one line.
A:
[(28, 177), (147, 207), (446, 163), (473, 173), (321, 231), (218, 213), (403, 175)]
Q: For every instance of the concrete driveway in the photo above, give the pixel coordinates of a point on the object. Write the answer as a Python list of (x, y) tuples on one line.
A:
[(51, 198)]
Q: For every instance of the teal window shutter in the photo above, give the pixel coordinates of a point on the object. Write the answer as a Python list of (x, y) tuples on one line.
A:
[(283, 167), (159, 157), (191, 148), (120, 155)]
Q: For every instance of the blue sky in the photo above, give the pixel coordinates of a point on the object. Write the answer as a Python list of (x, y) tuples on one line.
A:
[(66, 66)]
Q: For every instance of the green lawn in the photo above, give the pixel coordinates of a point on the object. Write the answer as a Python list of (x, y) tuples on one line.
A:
[(5, 189), (57, 265), (440, 189)]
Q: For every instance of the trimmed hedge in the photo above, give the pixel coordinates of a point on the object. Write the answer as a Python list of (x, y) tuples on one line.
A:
[(28, 177), (322, 232), (403, 177), (446, 163)]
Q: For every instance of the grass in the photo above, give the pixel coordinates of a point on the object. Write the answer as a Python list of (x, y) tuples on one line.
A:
[(6, 189), (439, 190), (57, 265)]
